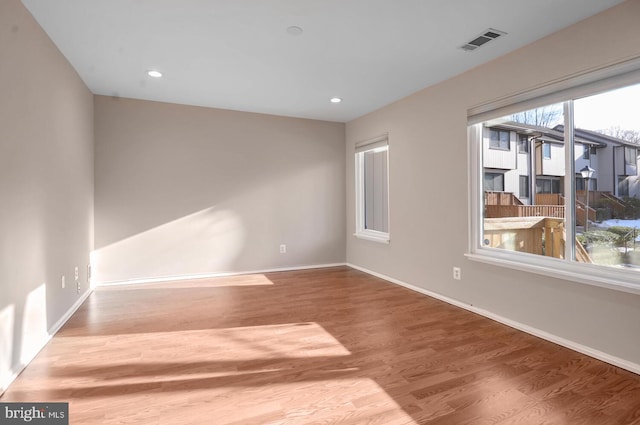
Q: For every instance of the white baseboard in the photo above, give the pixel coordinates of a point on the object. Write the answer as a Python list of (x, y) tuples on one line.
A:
[(211, 275), (580, 348), (50, 333)]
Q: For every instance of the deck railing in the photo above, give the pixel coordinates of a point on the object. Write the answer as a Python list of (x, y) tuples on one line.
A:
[(501, 198), (534, 235), (497, 211), (547, 205)]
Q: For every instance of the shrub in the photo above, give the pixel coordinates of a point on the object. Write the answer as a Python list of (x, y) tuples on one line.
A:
[(598, 237), (632, 207)]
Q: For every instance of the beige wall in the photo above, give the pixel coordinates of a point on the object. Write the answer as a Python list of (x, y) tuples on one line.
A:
[(429, 198), (46, 186), (184, 190)]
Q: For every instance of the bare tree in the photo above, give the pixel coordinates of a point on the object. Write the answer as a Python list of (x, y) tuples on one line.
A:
[(632, 136), (545, 116)]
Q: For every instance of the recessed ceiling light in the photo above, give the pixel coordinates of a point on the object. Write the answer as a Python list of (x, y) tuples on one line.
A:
[(294, 30), (336, 100), (154, 74)]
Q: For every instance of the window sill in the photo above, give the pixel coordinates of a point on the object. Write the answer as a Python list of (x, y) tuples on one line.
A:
[(617, 279), (374, 237)]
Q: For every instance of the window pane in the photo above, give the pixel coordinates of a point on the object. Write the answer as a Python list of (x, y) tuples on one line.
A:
[(524, 186), (513, 219), (376, 195), (523, 143), (608, 221)]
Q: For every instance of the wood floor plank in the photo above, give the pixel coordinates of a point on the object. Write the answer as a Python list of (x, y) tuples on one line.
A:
[(326, 346)]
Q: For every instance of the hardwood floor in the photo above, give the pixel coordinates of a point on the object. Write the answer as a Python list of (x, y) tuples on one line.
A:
[(327, 346)]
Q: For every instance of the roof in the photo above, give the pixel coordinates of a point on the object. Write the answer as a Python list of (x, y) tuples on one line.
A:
[(596, 137), (556, 134)]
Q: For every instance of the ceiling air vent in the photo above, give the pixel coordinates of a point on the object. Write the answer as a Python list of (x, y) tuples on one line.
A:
[(489, 35)]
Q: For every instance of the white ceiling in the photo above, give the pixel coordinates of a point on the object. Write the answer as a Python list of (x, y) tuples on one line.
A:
[(237, 54)]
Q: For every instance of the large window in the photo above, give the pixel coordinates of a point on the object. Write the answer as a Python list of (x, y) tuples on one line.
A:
[(573, 226), (372, 189), (548, 184)]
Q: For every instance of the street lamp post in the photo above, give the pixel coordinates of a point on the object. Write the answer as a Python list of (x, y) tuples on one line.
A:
[(586, 172)]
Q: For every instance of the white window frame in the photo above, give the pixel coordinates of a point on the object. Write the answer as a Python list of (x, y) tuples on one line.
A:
[(580, 85), (380, 143)]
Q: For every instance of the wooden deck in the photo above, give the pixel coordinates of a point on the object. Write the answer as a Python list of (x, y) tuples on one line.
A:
[(328, 346)]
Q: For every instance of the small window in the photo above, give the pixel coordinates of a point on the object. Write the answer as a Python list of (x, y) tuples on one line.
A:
[(623, 186), (499, 139), (524, 187), (372, 190), (546, 151), (586, 151), (494, 182), (548, 185), (523, 143), (630, 155), (580, 183)]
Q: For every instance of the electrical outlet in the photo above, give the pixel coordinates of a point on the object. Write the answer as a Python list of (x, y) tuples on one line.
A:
[(76, 273), (63, 282), (457, 273), (283, 249)]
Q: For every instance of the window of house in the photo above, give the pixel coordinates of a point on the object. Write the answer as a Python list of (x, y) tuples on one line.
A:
[(523, 143), (546, 151), (548, 184), (623, 186), (499, 139), (372, 189), (562, 231), (494, 182), (630, 155), (580, 183), (524, 186)]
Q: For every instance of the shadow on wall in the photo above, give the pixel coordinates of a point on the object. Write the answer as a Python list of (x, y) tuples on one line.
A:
[(207, 240), (27, 342), (242, 232)]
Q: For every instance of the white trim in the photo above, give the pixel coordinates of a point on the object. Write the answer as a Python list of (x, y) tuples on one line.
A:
[(569, 183), (561, 269), (588, 82), (372, 235), (212, 275), (374, 142), (572, 345), (51, 332), (361, 232), (60, 323)]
